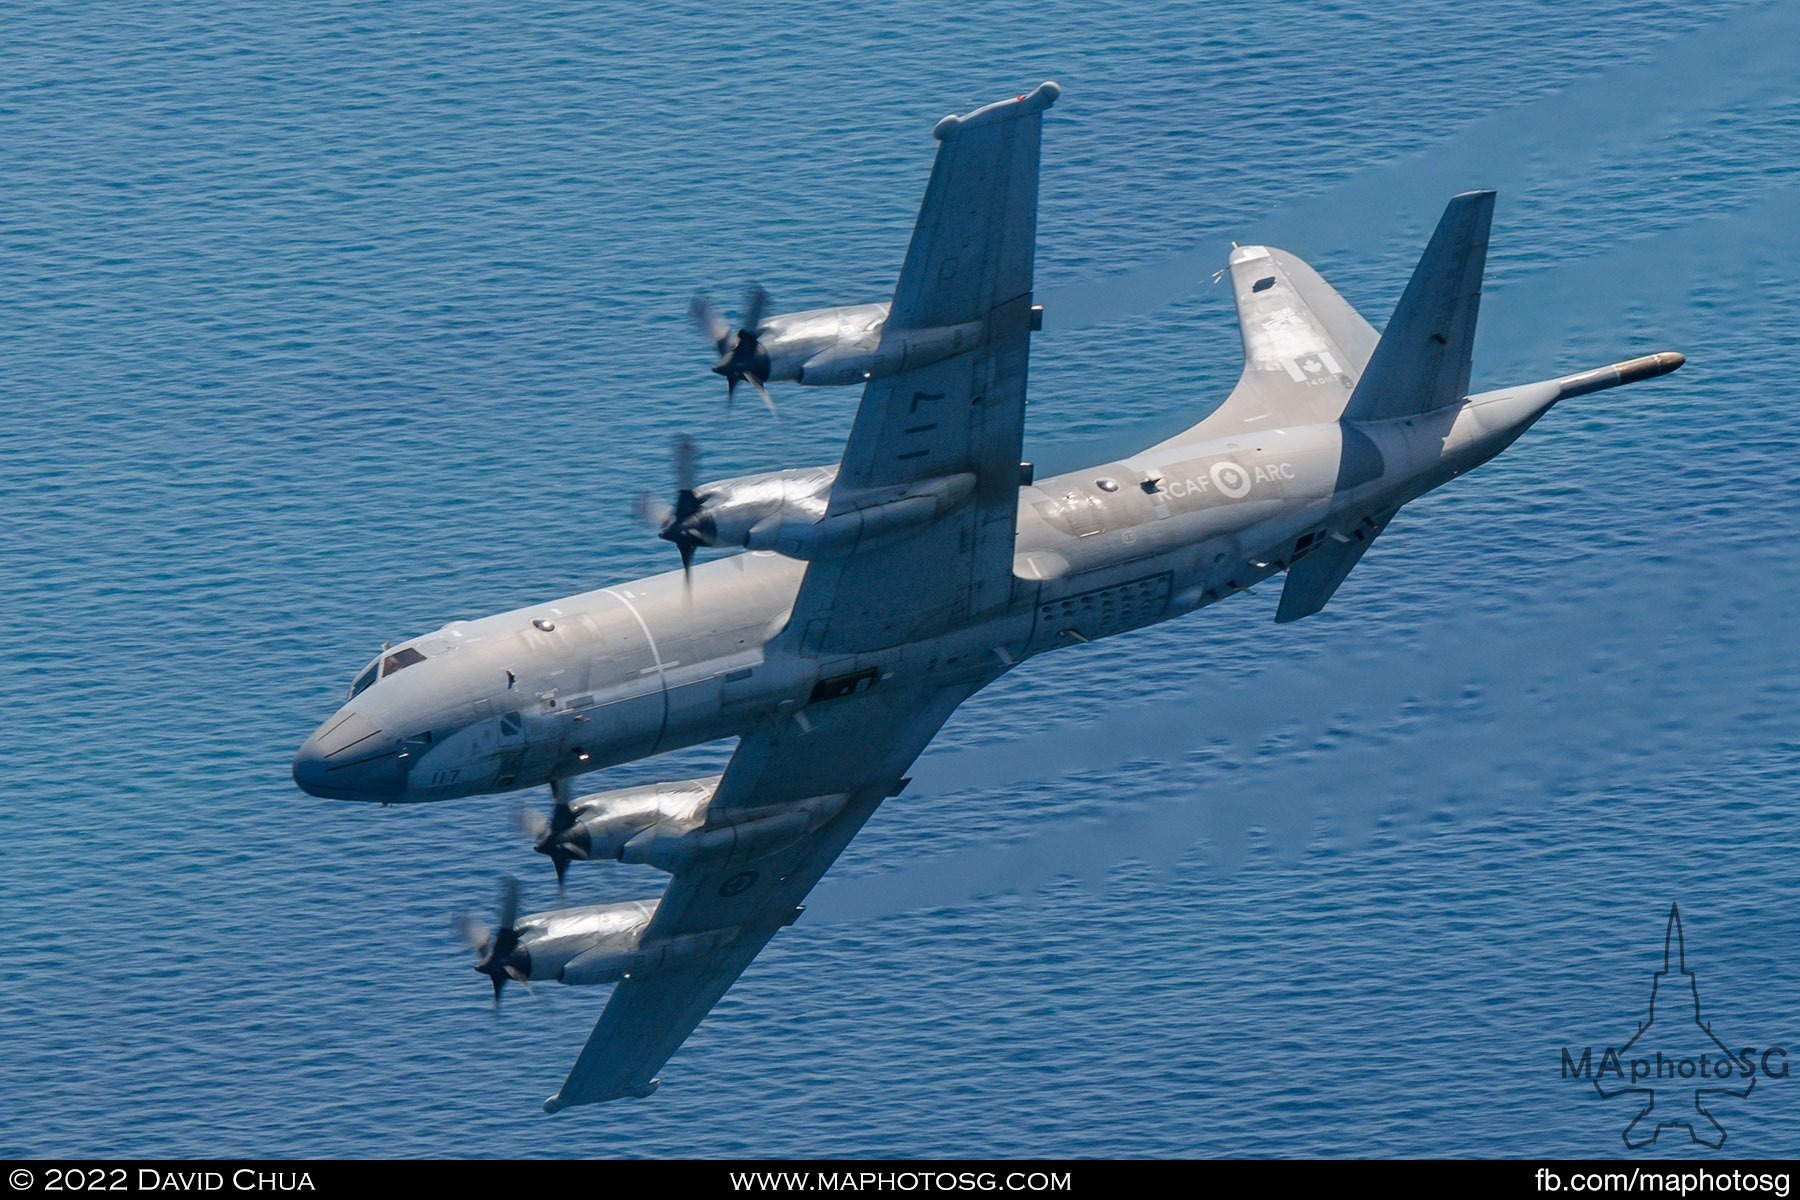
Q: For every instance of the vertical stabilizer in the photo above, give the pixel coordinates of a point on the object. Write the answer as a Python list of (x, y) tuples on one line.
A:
[(1422, 360)]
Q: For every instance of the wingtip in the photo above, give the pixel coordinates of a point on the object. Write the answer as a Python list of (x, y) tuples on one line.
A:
[(1036, 100), (556, 1103)]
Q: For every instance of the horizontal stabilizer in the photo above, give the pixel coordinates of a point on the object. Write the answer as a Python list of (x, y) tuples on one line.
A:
[(1315, 578), (1422, 360)]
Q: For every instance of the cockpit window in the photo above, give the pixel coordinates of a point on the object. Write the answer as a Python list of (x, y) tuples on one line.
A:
[(384, 666), (399, 660), (369, 675)]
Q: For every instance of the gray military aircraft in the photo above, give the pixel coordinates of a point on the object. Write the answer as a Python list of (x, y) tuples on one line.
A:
[(877, 596)]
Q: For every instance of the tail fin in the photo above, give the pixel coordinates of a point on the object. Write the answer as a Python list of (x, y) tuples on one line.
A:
[(1422, 360)]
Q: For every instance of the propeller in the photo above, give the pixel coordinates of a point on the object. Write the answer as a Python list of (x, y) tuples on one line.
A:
[(548, 833), (741, 356), (710, 321), (675, 523), (499, 956)]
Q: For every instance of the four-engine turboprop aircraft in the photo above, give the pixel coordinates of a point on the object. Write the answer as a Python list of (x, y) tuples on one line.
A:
[(879, 595)]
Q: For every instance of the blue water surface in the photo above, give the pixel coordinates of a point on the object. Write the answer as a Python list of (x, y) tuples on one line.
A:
[(325, 324)]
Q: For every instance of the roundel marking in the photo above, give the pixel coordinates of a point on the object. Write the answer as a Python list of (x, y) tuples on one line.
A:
[(1231, 480), (738, 884)]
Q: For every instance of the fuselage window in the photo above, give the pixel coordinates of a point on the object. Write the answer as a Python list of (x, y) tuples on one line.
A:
[(399, 660)]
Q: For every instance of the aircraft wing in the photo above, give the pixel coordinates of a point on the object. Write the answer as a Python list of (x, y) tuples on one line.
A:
[(858, 746), (969, 265), (1304, 346), (970, 262)]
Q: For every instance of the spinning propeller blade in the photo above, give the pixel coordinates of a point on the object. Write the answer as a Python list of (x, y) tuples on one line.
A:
[(499, 956), (742, 355), (547, 833)]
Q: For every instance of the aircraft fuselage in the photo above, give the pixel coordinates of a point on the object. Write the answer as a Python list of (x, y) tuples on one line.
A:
[(610, 676)]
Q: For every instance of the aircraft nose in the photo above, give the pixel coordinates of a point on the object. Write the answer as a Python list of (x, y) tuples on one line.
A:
[(350, 757)]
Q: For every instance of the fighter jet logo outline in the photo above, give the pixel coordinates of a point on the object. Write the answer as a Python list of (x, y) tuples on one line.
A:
[(1702, 1126)]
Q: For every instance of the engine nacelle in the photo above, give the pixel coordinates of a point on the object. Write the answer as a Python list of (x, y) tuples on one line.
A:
[(731, 508), (681, 843), (549, 941), (876, 517), (605, 821), (888, 351), (784, 511), (601, 943), (669, 826), (787, 343), (610, 963)]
